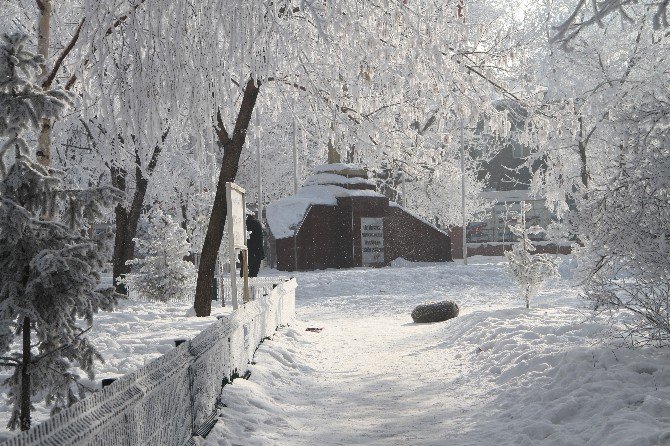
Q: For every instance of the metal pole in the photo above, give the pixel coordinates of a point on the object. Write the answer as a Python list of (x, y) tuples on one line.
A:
[(260, 176), (295, 156), (465, 228), (232, 254), (504, 226)]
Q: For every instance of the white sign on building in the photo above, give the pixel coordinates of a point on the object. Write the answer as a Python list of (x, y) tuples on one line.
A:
[(372, 241)]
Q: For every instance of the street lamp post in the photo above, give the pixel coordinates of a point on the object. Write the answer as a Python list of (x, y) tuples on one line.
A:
[(295, 156), (465, 228), (258, 166)]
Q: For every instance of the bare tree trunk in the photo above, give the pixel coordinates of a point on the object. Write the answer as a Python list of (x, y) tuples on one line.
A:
[(24, 416), (121, 225), (582, 153), (232, 149), (190, 257)]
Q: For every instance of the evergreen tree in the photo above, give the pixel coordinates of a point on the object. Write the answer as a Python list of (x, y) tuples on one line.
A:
[(529, 270), (160, 272), (49, 270)]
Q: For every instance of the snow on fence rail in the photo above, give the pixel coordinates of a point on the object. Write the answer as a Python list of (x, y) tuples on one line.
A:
[(258, 286), (172, 398)]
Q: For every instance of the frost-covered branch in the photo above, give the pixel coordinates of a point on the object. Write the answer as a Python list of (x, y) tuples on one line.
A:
[(596, 11), (66, 51)]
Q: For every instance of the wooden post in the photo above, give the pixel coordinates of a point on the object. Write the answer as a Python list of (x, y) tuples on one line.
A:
[(107, 381), (237, 237), (245, 275)]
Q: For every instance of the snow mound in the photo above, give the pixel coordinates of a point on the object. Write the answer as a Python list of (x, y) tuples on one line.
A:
[(402, 263)]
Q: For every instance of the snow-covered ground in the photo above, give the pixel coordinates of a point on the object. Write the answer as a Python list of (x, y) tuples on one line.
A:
[(497, 374)]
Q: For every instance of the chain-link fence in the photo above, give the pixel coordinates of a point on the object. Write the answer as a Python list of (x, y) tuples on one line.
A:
[(173, 398)]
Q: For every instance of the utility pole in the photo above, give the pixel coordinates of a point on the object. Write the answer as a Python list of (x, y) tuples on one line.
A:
[(295, 156), (295, 186), (258, 166), (465, 228), (403, 188)]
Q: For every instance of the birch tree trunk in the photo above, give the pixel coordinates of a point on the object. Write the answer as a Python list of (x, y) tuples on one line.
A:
[(43, 40), (44, 158)]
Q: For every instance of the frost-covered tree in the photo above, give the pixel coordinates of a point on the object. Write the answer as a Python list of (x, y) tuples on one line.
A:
[(365, 77), (605, 149), (376, 81), (529, 269), (49, 270), (584, 14), (624, 222), (160, 272), (22, 101)]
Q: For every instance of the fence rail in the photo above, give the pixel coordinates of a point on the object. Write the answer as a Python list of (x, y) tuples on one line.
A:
[(171, 399), (258, 287)]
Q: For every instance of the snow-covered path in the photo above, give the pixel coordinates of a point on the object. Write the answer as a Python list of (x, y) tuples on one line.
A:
[(497, 374)]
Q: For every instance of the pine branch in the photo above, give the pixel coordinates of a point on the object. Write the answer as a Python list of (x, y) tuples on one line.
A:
[(37, 359)]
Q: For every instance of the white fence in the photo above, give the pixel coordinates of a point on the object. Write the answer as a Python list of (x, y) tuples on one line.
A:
[(172, 398), (258, 286)]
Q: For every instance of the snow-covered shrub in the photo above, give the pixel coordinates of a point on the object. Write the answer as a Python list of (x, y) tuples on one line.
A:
[(529, 269), (624, 222), (49, 270), (160, 272)]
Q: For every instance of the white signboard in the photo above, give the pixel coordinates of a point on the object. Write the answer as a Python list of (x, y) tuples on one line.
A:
[(372, 241), (236, 215), (237, 238)]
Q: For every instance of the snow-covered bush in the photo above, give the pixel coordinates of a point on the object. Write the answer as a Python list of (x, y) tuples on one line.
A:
[(624, 222), (49, 270), (530, 270), (160, 272)]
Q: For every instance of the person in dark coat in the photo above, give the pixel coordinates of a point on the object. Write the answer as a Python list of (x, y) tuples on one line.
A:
[(254, 245)]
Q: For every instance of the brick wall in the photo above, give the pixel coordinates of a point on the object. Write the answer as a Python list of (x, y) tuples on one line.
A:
[(330, 236), (413, 239)]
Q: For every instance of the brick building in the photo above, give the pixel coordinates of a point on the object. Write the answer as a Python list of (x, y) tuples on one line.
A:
[(338, 220)]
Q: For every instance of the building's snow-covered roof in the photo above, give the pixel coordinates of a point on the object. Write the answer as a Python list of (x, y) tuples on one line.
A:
[(342, 168), (418, 217), (331, 178), (284, 215)]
